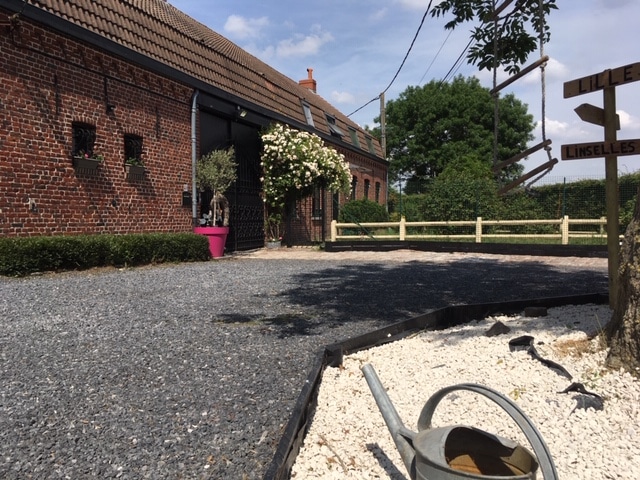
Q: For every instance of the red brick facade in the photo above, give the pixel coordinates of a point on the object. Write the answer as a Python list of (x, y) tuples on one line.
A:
[(47, 82), (55, 77)]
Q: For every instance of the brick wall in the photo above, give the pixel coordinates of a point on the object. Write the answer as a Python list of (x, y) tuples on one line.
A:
[(47, 82)]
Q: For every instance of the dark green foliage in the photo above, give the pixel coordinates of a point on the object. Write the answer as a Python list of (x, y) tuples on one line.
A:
[(517, 33), (22, 256), (466, 193), (411, 207), (435, 125), (363, 211)]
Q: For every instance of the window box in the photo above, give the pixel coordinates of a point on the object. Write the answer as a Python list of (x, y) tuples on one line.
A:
[(85, 163), (134, 170)]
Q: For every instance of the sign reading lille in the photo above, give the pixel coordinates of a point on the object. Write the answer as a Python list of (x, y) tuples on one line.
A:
[(599, 81), (578, 151)]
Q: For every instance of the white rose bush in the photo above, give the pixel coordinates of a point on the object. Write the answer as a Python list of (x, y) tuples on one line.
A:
[(294, 162)]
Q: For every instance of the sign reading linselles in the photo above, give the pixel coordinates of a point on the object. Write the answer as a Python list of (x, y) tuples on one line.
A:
[(578, 151)]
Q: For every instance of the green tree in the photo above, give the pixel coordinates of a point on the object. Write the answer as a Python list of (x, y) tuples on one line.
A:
[(429, 127), (465, 190), (517, 34)]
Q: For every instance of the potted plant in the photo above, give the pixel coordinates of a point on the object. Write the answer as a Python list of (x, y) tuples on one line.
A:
[(216, 171), (87, 160), (134, 166), (272, 228)]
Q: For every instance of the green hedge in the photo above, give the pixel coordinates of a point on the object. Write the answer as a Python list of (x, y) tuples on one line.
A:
[(363, 211), (22, 256)]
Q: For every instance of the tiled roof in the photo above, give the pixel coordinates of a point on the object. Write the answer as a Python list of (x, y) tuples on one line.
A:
[(158, 30)]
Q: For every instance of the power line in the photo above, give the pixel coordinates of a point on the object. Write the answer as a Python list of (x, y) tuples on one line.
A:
[(435, 57), (456, 65), (403, 61)]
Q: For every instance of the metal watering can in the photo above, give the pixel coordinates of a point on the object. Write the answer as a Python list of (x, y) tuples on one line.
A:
[(460, 452)]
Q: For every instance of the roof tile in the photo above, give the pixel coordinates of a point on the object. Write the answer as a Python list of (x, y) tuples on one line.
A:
[(157, 29)]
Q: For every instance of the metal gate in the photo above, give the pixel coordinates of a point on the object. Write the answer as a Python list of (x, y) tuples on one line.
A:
[(246, 220), (247, 207)]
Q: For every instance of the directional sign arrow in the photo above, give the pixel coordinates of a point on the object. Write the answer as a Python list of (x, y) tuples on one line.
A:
[(592, 114)]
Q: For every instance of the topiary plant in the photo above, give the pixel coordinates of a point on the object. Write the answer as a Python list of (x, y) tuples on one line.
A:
[(217, 171)]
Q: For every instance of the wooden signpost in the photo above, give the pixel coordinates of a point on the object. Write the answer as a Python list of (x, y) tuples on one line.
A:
[(578, 151), (610, 148), (592, 114), (599, 81)]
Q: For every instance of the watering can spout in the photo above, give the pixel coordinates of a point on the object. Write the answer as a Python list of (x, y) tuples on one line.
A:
[(402, 437)]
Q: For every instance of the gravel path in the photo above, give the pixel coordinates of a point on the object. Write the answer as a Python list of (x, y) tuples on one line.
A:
[(192, 370)]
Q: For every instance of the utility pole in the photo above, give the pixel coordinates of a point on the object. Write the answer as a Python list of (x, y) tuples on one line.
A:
[(383, 128)]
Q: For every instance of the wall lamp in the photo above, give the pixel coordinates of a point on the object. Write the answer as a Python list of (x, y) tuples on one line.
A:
[(241, 112)]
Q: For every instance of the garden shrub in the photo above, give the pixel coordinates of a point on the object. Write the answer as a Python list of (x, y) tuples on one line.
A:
[(363, 211), (22, 256)]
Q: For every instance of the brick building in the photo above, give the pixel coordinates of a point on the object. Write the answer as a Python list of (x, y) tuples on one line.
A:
[(138, 79)]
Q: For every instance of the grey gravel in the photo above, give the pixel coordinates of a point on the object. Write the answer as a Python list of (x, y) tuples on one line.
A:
[(193, 370)]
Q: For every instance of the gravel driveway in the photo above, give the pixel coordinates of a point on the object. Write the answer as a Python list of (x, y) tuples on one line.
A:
[(192, 370)]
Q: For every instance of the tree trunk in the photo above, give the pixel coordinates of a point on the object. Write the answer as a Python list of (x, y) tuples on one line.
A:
[(623, 331)]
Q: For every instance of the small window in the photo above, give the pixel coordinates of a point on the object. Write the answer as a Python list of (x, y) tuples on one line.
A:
[(316, 203), (367, 184), (307, 113), (84, 139), (354, 137), (133, 149), (333, 128), (354, 187), (377, 192)]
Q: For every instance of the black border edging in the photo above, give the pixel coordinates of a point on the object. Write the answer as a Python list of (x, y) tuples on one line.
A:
[(599, 251), (296, 429)]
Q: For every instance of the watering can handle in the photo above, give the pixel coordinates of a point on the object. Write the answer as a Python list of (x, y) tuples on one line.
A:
[(526, 425)]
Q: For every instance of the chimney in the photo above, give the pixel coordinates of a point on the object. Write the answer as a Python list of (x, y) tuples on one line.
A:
[(309, 82)]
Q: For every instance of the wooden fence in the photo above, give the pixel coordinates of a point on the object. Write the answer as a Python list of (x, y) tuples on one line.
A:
[(398, 230)]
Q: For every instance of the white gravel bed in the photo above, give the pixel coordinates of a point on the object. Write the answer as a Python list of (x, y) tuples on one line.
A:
[(349, 439)]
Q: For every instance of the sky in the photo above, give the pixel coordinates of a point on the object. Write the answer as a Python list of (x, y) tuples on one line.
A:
[(355, 47)]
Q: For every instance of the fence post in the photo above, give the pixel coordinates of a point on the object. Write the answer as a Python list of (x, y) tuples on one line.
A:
[(334, 230), (564, 227), (403, 228), (602, 225), (478, 229)]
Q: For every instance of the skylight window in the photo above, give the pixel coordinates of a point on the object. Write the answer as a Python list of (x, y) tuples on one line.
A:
[(354, 137), (307, 113), (370, 145), (333, 128)]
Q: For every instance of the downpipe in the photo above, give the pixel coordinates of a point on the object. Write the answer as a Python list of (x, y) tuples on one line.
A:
[(194, 158)]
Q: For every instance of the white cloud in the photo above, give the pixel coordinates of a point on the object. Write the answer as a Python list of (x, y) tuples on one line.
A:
[(303, 45), (628, 121), (414, 4), (561, 132), (378, 15), (241, 27), (554, 127), (342, 97), (264, 54)]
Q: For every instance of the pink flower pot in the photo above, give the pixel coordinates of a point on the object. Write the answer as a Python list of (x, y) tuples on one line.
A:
[(217, 238)]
